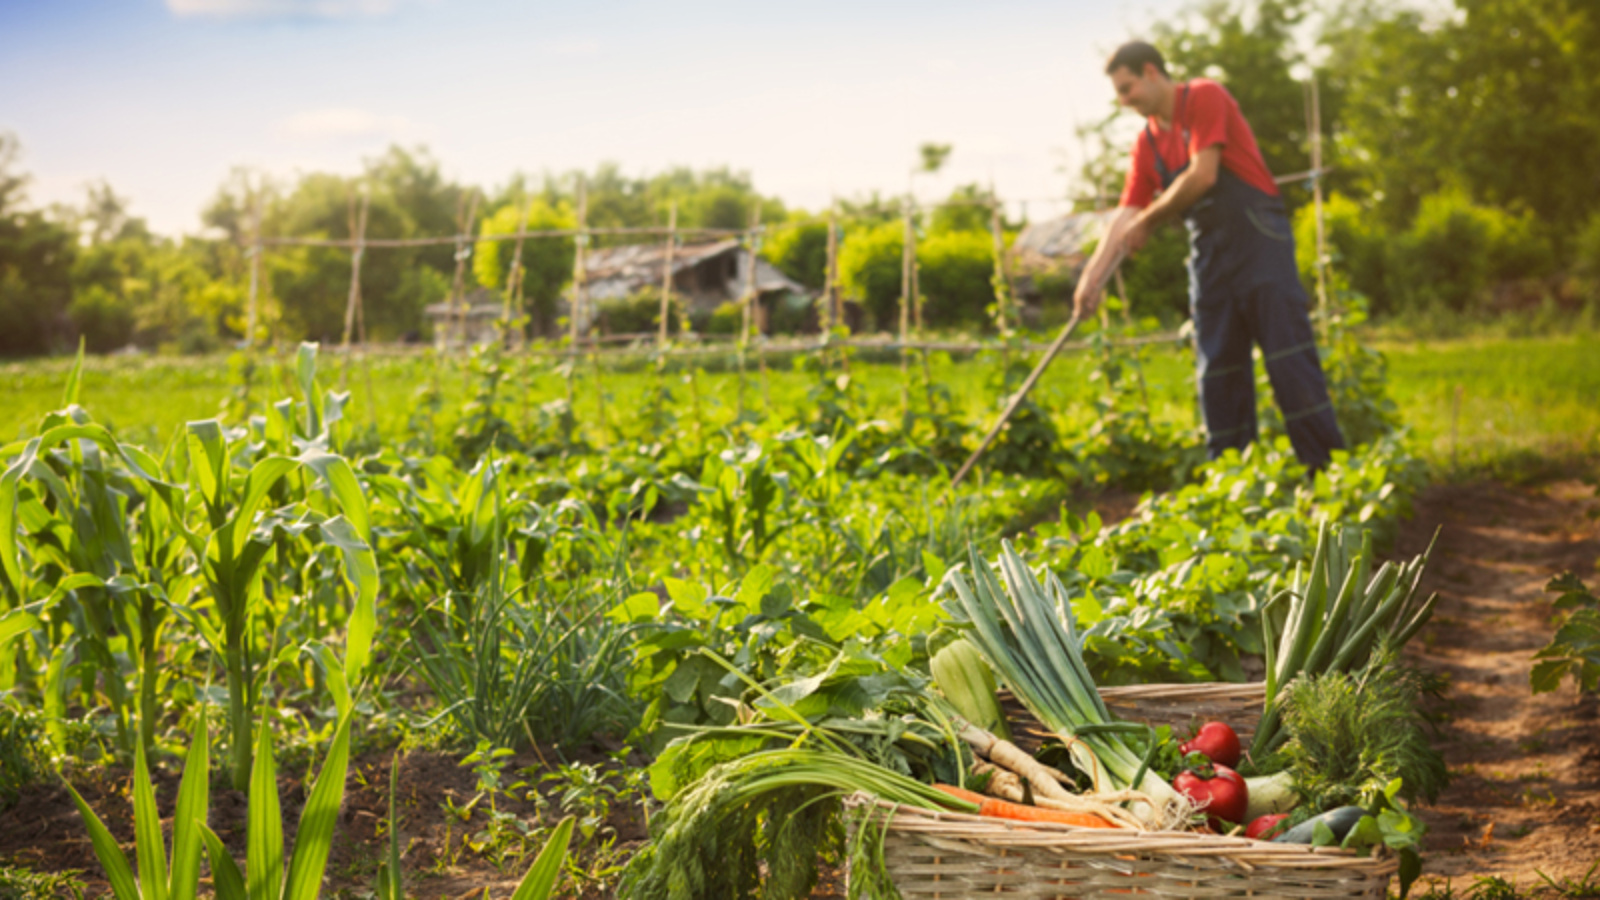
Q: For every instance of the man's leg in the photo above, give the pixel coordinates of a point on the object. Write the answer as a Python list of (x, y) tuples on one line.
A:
[(1226, 374), (1283, 328)]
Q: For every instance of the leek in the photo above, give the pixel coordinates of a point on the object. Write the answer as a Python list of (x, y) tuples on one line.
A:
[(1027, 633)]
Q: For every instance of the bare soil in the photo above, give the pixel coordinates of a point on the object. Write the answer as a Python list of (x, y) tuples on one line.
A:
[(1524, 797)]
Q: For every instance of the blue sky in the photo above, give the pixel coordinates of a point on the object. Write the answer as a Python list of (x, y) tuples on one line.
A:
[(163, 99)]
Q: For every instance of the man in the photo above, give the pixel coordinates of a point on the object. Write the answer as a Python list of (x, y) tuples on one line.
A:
[(1197, 159)]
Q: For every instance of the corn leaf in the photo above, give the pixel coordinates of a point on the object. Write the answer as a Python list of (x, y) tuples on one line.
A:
[(226, 880), (541, 877), (189, 817), (148, 842), (314, 836), (361, 567), (111, 857), (265, 860)]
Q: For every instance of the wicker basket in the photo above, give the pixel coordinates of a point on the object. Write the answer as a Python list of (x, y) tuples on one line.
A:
[(932, 854)]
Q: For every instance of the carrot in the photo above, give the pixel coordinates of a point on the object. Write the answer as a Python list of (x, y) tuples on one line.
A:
[(1005, 809)]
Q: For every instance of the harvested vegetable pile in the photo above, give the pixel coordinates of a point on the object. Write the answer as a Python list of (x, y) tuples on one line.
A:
[(751, 807)]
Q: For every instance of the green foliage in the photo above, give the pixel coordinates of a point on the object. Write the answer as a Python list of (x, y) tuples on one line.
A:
[(24, 757), (35, 265), (19, 883), (1352, 734), (870, 270), (800, 250), (546, 262), (639, 313), (955, 269), (1455, 251), (1574, 651)]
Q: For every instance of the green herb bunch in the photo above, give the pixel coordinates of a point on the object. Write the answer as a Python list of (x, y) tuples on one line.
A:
[(1351, 734)]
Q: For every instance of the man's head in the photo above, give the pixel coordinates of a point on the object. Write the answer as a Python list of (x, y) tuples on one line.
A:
[(1139, 74)]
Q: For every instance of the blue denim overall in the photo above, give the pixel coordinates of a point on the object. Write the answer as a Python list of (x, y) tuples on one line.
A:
[(1244, 287)]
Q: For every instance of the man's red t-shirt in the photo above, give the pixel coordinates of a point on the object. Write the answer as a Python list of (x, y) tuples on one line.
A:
[(1212, 116)]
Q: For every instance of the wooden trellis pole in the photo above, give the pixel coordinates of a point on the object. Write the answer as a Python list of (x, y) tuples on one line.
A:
[(513, 297), (255, 270), (1002, 280), (1315, 123), (908, 259), (467, 212), (832, 315), (580, 243), (666, 272), (352, 309)]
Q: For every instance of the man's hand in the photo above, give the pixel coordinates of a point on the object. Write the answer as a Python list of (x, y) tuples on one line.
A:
[(1086, 299)]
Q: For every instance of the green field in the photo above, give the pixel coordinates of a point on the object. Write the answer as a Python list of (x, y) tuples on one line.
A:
[(1499, 405)]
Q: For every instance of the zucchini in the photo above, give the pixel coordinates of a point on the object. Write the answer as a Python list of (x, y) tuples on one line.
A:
[(1339, 821)]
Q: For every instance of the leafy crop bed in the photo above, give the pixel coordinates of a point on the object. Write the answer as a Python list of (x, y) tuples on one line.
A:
[(529, 612)]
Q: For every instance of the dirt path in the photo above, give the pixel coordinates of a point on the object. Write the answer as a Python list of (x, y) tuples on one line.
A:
[(1525, 792)]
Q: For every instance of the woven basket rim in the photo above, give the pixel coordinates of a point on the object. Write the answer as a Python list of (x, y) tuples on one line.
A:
[(991, 831), (1216, 691)]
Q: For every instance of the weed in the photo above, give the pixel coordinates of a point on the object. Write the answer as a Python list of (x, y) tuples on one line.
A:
[(19, 883)]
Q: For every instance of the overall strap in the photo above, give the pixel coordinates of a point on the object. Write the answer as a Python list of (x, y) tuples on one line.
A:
[(1162, 170)]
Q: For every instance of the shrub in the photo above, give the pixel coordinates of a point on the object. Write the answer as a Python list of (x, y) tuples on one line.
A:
[(1455, 251), (957, 268), (870, 270), (800, 251), (1357, 248), (637, 313), (724, 319)]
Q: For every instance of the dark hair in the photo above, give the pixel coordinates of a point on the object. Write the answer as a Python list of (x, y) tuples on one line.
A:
[(1135, 55)]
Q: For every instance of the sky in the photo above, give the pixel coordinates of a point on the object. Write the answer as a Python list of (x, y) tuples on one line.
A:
[(163, 98)]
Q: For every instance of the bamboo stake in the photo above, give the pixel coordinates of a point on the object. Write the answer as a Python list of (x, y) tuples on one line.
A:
[(513, 295), (1316, 197), (575, 306), (467, 210), (358, 229), (833, 316), (753, 299), (908, 257), (255, 270), (666, 272), (1016, 399), (1002, 286)]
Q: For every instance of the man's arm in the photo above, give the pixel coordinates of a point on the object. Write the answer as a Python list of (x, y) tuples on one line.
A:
[(1092, 280), (1185, 190)]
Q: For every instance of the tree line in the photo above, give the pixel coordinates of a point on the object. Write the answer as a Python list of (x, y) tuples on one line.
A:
[(1459, 149)]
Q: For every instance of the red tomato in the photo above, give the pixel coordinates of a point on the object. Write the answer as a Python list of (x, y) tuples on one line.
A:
[(1222, 792), (1217, 742), (1263, 827)]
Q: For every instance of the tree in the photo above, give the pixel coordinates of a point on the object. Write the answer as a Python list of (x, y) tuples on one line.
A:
[(800, 250), (546, 261), (36, 257), (870, 269)]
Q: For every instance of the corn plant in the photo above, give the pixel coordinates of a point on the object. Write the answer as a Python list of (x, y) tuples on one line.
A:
[(159, 876), (107, 542), (313, 839)]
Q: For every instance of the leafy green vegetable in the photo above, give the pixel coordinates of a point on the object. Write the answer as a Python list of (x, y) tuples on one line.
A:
[(1352, 735)]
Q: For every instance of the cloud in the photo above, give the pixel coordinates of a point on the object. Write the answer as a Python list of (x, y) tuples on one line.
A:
[(281, 9), (341, 124)]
